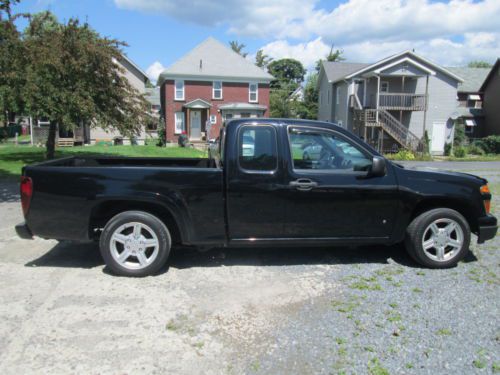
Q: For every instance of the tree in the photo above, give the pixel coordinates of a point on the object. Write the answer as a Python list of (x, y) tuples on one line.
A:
[(72, 78), (11, 62), (332, 57), (238, 48), (479, 64), (261, 59), (288, 73)]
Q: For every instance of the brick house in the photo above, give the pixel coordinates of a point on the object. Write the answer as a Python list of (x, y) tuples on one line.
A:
[(207, 87)]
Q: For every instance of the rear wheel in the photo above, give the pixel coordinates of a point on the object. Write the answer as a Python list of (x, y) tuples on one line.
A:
[(438, 238), (135, 243)]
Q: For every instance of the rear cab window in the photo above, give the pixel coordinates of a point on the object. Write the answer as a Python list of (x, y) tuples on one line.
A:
[(257, 148)]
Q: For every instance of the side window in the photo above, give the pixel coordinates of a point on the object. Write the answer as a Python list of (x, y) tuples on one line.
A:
[(257, 148), (323, 150)]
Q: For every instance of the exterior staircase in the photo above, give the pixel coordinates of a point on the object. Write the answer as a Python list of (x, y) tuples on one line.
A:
[(382, 119)]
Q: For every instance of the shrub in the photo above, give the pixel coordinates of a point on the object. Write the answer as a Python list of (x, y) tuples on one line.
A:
[(447, 149), (403, 155), (460, 152), (491, 144), (475, 149)]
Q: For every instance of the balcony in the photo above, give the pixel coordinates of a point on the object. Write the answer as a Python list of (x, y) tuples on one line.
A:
[(402, 101)]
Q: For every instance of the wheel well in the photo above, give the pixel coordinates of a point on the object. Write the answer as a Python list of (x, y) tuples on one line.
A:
[(465, 210), (102, 213)]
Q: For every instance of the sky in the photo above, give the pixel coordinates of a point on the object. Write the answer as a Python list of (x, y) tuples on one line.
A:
[(158, 32)]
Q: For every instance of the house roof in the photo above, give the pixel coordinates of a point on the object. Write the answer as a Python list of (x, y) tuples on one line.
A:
[(213, 60), (473, 78), (153, 95), (337, 71), (467, 112), (495, 68), (197, 103), (134, 65)]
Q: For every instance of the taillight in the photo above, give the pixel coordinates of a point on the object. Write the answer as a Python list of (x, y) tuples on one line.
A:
[(485, 192), (26, 193)]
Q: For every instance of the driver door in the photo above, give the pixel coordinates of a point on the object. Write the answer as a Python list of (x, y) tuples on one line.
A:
[(329, 194)]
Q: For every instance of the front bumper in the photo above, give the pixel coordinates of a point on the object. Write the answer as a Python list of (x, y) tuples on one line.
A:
[(487, 228), (24, 231)]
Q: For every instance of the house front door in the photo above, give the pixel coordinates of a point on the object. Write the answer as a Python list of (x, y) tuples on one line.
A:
[(438, 137), (195, 123)]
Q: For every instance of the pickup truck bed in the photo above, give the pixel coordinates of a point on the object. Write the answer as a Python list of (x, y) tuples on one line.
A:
[(81, 193)]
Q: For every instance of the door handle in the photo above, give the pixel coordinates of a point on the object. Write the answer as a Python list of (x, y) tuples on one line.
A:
[(303, 184)]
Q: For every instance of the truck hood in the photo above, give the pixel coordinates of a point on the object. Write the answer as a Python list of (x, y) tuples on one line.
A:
[(431, 172)]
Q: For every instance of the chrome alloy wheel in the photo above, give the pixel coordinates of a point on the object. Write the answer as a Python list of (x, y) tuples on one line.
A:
[(442, 239), (134, 245)]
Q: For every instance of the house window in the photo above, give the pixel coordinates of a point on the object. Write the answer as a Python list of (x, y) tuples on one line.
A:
[(179, 90), (253, 96), (384, 86), (228, 116), (179, 122), (469, 126), (213, 119), (217, 90), (337, 95), (244, 115)]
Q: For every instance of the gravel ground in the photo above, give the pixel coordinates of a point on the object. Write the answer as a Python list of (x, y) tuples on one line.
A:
[(269, 311)]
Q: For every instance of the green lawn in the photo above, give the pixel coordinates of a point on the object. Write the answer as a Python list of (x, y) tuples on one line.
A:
[(13, 158)]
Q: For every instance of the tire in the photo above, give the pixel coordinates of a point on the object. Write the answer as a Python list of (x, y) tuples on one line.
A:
[(135, 243), (438, 238)]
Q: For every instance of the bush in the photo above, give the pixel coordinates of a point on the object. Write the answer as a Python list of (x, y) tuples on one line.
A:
[(460, 152), (491, 144), (403, 155), (447, 149), (475, 149)]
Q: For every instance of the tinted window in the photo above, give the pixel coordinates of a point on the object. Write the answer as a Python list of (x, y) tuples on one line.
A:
[(324, 150), (257, 148)]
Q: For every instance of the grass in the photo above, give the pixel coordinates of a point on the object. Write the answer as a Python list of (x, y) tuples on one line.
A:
[(13, 158)]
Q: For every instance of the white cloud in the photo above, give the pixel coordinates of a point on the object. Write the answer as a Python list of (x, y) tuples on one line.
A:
[(307, 53), (154, 70), (395, 20), (258, 18)]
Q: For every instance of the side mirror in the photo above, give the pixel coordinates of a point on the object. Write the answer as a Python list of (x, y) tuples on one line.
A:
[(378, 168)]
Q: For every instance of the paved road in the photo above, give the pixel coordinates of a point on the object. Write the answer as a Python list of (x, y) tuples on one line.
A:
[(270, 311)]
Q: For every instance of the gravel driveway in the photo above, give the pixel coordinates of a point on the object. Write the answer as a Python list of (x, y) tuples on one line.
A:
[(269, 311)]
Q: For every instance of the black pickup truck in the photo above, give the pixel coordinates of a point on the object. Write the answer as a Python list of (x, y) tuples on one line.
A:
[(267, 182)]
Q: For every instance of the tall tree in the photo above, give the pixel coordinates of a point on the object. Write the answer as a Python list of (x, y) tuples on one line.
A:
[(261, 59), (238, 48), (479, 64), (11, 62), (288, 73), (73, 78), (332, 56)]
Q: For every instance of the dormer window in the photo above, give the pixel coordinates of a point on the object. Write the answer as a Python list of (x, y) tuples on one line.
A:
[(253, 96), (179, 90), (217, 90)]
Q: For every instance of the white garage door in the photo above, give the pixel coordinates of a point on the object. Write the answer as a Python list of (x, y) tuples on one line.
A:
[(438, 137)]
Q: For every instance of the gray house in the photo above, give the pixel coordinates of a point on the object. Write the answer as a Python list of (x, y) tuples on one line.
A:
[(491, 92), (469, 111), (391, 103)]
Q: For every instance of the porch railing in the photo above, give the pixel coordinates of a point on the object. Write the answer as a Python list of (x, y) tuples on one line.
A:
[(402, 101)]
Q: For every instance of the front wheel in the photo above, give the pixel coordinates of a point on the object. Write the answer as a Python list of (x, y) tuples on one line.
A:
[(135, 243), (438, 238)]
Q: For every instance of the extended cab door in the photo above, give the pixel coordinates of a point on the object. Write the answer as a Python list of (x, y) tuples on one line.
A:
[(329, 192), (255, 189)]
